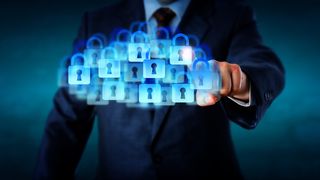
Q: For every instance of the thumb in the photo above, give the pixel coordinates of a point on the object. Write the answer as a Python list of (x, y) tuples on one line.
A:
[(205, 98)]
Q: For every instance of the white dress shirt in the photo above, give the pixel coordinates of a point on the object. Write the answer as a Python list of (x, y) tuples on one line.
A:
[(179, 7)]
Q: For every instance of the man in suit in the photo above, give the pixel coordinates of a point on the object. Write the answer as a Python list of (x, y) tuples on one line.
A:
[(178, 141)]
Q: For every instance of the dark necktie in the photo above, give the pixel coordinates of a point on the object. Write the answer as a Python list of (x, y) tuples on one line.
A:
[(164, 17)]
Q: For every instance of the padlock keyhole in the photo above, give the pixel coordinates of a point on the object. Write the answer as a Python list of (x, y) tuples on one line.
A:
[(154, 68), (200, 80), (139, 52), (79, 75), (149, 90), (134, 72), (109, 66), (173, 73), (113, 90), (127, 92), (164, 96), (180, 55), (160, 46), (94, 58), (182, 93)]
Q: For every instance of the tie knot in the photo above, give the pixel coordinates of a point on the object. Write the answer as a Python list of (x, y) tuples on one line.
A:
[(164, 16)]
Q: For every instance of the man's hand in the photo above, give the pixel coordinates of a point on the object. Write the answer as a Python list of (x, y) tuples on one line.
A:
[(234, 84)]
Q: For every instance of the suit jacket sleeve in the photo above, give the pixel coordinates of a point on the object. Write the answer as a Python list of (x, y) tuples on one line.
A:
[(260, 64), (66, 132)]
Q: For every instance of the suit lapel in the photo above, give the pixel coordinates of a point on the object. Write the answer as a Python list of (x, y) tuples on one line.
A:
[(196, 26), (133, 11), (191, 23)]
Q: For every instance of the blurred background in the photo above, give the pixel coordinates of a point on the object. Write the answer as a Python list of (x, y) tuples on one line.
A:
[(35, 35)]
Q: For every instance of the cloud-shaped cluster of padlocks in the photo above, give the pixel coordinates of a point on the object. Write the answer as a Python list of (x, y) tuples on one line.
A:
[(141, 70)]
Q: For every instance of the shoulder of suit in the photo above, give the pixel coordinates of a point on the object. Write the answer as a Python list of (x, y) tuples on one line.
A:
[(231, 8), (231, 3)]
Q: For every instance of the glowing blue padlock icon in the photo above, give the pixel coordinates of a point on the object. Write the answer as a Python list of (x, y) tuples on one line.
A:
[(121, 44), (94, 94), (154, 68), (133, 72), (109, 65), (80, 91), (149, 93), (183, 92), (93, 51), (199, 53), (130, 93), (202, 75), (181, 54), (193, 40), (113, 90), (216, 77), (102, 37), (160, 45), (138, 48), (95, 97), (171, 73), (166, 96), (78, 73)]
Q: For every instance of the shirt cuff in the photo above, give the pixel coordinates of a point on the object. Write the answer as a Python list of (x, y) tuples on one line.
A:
[(242, 103)]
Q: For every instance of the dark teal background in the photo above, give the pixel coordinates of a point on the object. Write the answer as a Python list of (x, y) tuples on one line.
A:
[(36, 34)]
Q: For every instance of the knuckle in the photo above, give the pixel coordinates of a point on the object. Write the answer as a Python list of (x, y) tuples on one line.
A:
[(235, 67), (223, 64)]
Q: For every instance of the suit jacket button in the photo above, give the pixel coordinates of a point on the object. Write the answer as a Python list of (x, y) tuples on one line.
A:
[(267, 96), (157, 159)]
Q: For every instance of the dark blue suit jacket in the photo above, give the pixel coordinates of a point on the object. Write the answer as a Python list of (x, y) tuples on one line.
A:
[(180, 141)]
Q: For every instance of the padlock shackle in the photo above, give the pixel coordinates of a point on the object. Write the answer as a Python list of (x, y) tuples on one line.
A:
[(195, 62), (115, 44), (162, 29), (94, 38), (145, 37), (133, 25), (74, 58), (102, 37), (198, 49), (180, 35), (122, 32), (108, 48), (142, 24), (195, 38)]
